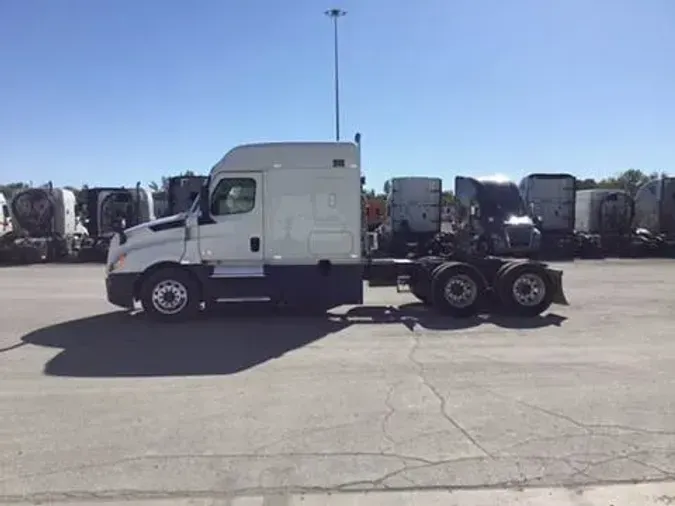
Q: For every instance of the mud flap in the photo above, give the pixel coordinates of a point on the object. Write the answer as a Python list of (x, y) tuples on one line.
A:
[(558, 293)]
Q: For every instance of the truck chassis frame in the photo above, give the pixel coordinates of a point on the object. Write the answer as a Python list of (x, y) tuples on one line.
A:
[(462, 286)]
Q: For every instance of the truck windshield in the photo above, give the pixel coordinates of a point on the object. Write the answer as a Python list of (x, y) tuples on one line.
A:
[(501, 200)]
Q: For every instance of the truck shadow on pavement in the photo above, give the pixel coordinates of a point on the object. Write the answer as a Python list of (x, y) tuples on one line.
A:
[(120, 344)]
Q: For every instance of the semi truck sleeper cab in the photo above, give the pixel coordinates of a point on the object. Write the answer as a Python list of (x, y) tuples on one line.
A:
[(282, 223)]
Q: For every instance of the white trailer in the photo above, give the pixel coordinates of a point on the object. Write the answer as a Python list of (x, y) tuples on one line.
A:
[(282, 223)]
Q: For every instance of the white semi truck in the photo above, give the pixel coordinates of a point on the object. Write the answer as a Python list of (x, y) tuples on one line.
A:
[(281, 223)]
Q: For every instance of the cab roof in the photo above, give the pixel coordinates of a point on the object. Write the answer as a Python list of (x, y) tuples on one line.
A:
[(297, 155)]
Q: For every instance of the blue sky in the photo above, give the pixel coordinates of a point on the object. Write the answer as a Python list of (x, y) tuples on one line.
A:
[(113, 91)]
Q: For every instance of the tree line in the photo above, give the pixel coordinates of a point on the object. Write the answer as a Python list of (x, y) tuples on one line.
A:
[(629, 180)]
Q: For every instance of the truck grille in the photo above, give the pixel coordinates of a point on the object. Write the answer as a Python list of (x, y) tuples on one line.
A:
[(519, 237)]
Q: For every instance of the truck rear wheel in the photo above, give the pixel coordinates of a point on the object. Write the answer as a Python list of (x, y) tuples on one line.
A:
[(525, 289), (170, 294), (457, 289)]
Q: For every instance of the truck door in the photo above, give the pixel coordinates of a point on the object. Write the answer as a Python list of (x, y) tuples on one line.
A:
[(233, 240)]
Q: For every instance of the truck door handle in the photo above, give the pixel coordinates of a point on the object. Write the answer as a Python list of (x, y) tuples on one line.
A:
[(255, 244)]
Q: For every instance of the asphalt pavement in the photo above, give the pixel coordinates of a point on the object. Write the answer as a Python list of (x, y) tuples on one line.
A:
[(99, 405)]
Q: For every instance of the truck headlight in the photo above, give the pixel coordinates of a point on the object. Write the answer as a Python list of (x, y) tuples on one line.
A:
[(117, 264)]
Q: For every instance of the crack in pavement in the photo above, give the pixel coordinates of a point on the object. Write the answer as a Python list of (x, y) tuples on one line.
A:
[(352, 486), (588, 427), (524, 479), (391, 410), (248, 456), (442, 401), (652, 466)]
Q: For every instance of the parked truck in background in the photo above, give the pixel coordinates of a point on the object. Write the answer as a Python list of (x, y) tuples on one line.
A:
[(182, 191), (604, 221), (44, 226), (412, 216), (654, 219), (551, 201), (282, 223), (655, 207), (374, 211), (103, 207), (493, 214), (178, 195)]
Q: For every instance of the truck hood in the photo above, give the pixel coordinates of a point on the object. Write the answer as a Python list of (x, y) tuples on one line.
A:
[(175, 221)]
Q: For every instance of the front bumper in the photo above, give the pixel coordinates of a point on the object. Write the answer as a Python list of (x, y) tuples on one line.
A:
[(558, 294), (120, 288)]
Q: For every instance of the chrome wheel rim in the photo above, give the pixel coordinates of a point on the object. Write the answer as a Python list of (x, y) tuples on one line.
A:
[(529, 289), (460, 291), (169, 296)]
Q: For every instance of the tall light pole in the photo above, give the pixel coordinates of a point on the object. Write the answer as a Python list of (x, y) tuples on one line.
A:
[(335, 14)]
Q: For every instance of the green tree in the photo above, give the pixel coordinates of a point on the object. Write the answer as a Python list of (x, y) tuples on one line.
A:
[(586, 184), (448, 198), (629, 180)]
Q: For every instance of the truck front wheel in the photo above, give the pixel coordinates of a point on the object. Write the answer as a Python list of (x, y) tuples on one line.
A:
[(170, 294)]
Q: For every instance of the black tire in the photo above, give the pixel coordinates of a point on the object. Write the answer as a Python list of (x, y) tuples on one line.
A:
[(519, 289), (468, 283), (420, 283), (160, 291)]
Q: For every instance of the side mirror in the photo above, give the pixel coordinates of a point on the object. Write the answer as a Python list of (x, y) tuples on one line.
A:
[(387, 187), (474, 211), (532, 208), (204, 207)]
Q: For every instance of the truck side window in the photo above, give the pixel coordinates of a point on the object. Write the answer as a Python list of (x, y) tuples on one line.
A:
[(233, 196)]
